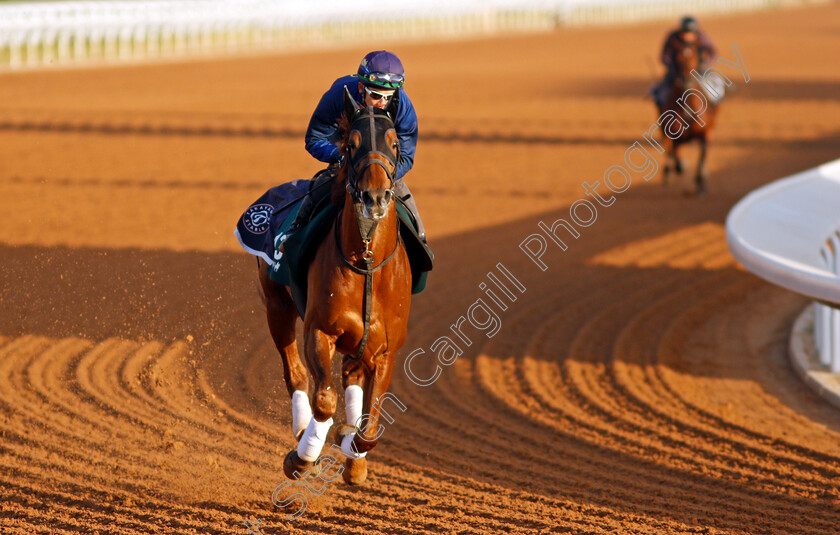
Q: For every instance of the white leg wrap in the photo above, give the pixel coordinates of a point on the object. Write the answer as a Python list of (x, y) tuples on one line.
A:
[(301, 411), (313, 439), (353, 402), (347, 449)]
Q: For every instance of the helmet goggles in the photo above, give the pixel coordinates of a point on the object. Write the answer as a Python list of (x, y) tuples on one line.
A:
[(387, 80)]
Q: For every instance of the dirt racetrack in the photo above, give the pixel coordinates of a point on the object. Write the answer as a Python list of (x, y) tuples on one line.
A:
[(639, 385)]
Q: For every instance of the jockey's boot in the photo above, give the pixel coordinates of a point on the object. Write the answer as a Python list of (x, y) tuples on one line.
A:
[(318, 190), (402, 191)]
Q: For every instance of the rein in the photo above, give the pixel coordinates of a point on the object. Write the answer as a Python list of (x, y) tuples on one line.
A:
[(367, 227), (367, 271)]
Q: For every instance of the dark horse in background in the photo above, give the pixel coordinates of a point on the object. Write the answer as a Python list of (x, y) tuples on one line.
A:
[(359, 295), (687, 114)]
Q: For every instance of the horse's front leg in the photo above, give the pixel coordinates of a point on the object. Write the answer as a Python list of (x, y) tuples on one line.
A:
[(369, 430), (357, 441), (353, 380), (319, 349)]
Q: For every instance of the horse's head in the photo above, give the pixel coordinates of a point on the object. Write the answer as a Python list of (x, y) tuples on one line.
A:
[(371, 152), (687, 59)]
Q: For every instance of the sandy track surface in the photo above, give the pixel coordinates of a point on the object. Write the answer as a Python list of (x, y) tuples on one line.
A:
[(638, 385)]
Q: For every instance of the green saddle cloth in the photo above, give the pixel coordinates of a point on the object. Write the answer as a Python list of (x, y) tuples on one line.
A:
[(292, 268)]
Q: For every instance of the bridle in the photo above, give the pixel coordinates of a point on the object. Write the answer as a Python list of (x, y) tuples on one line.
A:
[(367, 118), (369, 147), (695, 51)]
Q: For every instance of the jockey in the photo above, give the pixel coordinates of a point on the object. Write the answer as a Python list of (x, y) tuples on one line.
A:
[(688, 33), (379, 79)]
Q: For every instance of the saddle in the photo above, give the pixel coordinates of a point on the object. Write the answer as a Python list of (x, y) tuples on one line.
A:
[(292, 268)]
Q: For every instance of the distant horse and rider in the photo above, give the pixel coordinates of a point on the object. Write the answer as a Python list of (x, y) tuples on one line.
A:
[(347, 265), (679, 96)]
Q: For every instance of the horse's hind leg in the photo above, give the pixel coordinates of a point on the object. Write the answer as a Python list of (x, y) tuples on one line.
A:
[(678, 163), (281, 314), (670, 148), (700, 178)]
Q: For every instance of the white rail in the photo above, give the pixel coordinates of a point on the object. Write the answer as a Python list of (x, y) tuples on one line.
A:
[(788, 232), (60, 33)]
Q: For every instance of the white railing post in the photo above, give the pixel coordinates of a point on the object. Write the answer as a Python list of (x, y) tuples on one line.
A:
[(822, 316), (16, 45), (825, 333), (33, 47), (834, 352), (835, 313), (817, 329)]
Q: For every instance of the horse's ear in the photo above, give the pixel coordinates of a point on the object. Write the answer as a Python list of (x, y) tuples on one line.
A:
[(393, 104), (350, 105)]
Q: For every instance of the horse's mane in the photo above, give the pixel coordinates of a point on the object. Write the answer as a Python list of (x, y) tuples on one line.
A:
[(340, 184)]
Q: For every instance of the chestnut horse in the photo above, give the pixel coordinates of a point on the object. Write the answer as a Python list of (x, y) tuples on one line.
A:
[(359, 294), (693, 111)]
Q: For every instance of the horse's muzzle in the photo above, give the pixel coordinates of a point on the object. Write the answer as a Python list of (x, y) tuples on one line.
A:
[(376, 203)]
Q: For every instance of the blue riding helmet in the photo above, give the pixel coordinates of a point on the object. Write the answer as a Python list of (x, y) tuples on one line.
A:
[(381, 69), (688, 24)]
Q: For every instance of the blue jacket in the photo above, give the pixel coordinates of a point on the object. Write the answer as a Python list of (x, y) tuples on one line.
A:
[(322, 135)]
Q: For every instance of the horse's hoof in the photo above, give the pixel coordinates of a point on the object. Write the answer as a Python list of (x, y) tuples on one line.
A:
[(355, 471), (293, 463), (343, 431)]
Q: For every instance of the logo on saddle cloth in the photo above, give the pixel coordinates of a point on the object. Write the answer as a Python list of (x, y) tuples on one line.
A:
[(257, 218)]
